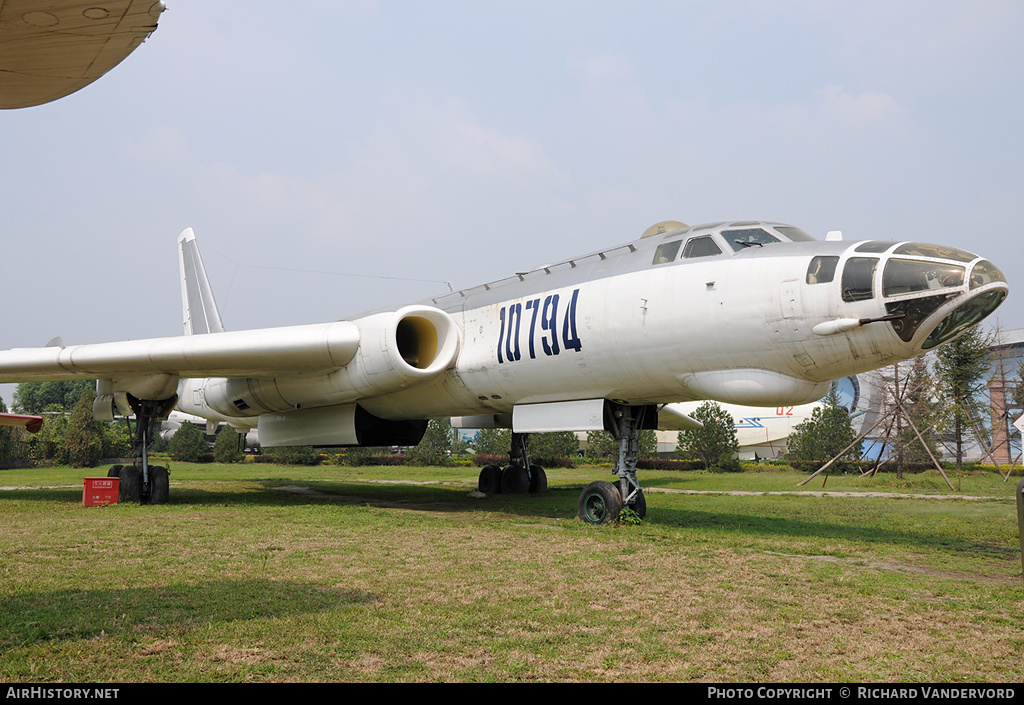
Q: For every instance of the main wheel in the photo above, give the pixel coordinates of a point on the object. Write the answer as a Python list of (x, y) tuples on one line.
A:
[(490, 479), (159, 485), (514, 480), (538, 480), (114, 471), (600, 503), (130, 487)]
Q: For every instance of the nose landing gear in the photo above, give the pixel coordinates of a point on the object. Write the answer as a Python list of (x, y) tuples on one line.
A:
[(602, 501)]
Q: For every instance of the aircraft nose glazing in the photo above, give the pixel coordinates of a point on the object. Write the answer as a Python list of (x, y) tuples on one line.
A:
[(938, 291)]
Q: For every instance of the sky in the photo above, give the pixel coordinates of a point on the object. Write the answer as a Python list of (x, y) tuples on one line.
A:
[(336, 157)]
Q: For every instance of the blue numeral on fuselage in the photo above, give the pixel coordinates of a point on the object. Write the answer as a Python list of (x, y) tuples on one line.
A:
[(510, 316)]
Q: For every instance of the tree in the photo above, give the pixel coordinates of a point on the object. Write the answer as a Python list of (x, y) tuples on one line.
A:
[(825, 435), (908, 407), (6, 441), (493, 441), (48, 444), (225, 447), (715, 444), (117, 441), (83, 441), (960, 369), (35, 397), (435, 446), (188, 444), (601, 444), (553, 445)]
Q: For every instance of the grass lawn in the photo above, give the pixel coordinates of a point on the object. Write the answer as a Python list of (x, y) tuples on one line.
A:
[(269, 573)]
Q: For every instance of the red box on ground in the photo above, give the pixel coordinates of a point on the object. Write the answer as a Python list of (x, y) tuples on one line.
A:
[(98, 491)]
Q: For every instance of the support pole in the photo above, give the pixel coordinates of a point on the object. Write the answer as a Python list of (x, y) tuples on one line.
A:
[(1020, 522)]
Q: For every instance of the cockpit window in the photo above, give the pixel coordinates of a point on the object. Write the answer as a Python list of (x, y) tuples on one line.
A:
[(921, 249), (874, 246), (912, 313), (748, 237), (822, 270), (858, 277), (701, 247), (964, 317), (984, 272), (666, 252), (794, 234), (904, 276)]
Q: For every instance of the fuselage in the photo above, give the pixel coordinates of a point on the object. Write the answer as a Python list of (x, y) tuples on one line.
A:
[(750, 313)]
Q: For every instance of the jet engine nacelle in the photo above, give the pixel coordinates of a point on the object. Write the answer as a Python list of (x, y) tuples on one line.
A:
[(396, 350), (344, 425)]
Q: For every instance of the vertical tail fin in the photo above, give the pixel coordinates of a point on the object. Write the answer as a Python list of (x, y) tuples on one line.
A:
[(198, 307)]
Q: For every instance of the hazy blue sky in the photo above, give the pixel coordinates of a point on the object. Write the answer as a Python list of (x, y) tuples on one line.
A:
[(310, 142)]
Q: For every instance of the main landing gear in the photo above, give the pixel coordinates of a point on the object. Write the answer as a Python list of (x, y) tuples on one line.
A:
[(602, 501), (141, 482), (520, 476)]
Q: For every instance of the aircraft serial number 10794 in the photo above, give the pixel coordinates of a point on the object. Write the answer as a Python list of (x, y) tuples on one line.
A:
[(750, 313)]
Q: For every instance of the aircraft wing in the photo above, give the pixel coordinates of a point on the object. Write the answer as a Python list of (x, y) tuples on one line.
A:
[(319, 364), (51, 49), (249, 353), (32, 424)]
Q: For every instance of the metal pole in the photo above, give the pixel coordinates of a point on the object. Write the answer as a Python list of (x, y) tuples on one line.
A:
[(1020, 522)]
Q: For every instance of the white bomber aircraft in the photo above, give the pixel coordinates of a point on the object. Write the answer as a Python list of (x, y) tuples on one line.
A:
[(749, 313)]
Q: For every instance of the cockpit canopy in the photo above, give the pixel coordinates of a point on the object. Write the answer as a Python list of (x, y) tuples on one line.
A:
[(917, 280), (717, 238)]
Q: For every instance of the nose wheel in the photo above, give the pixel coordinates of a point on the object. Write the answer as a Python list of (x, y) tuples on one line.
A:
[(602, 501)]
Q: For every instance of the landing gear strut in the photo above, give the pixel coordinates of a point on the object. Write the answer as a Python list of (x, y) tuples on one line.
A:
[(520, 476), (140, 481), (601, 501)]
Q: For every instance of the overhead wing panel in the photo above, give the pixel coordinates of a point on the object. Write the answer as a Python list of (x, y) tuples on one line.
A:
[(248, 353), (50, 49)]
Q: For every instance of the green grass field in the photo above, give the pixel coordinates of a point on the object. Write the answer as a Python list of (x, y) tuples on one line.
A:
[(268, 573)]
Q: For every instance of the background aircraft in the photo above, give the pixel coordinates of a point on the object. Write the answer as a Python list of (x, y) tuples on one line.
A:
[(750, 313), (51, 49), (32, 424), (763, 432)]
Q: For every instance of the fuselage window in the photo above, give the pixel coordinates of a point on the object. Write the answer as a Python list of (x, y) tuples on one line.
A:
[(701, 247), (748, 237), (904, 276), (666, 252), (858, 277), (794, 234), (822, 270), (921, 249), (985, 272), (874, 246)]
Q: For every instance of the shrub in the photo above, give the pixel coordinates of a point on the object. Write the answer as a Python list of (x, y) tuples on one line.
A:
[(225, 448), (188, 444)]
